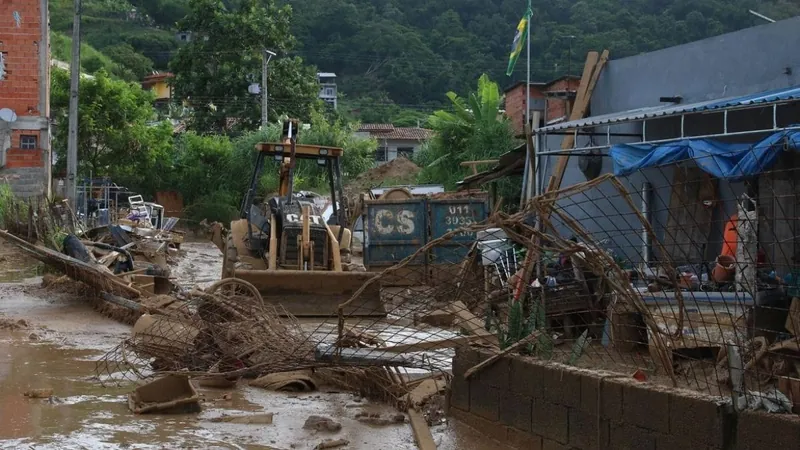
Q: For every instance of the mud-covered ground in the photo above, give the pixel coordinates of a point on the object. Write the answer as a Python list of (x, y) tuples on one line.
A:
[(51, 340)]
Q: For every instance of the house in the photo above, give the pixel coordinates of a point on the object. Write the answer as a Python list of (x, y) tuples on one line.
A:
[(25, 153), (327, 88), (552, 100), (395, 141), (735, 89), (158, 83)]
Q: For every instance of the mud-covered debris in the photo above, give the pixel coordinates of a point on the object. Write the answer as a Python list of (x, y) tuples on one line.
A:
[(253, 419), (377, 420), (172, 394), (11, 324), (33, 337), (296, 381), (332, 443), (320, 423), (39, 393)]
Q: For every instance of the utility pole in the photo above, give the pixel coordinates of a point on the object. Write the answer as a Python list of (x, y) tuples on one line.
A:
[(75, 75), (265, 58)]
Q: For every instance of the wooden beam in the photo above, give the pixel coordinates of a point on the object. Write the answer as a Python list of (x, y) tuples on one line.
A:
[(591, 73), (422, 433), (431, 345)]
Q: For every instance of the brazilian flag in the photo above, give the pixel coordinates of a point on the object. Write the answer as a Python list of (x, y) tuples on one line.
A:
[(519, 40)]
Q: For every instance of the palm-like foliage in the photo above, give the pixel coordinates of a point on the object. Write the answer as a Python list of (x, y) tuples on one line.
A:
[(473, 129)]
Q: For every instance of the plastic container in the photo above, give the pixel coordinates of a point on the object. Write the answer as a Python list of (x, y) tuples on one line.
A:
[(493, 245)]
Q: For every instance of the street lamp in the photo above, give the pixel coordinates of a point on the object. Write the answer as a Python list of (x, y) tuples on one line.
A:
[(267, 56)]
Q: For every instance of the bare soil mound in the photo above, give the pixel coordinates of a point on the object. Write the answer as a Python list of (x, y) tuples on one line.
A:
[(396, 171)]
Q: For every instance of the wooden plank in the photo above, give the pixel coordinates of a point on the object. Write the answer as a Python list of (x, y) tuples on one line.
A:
[(466, 320), (337, 256), (422, 433), (582, 98), (425, 390), (493, 359), (432, 345)]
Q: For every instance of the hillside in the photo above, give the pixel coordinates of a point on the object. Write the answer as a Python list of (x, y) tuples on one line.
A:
[(395, 58), (135, 36)]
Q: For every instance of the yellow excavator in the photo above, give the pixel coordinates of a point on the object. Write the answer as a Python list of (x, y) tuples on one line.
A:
[(293, 256)]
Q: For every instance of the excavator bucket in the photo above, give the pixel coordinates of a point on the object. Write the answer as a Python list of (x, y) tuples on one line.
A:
[(317, 293)]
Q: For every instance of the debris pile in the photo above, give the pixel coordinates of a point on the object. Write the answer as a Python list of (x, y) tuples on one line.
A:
[(224, 332)]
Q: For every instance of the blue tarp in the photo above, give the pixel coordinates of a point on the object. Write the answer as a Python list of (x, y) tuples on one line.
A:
[(733, 162)]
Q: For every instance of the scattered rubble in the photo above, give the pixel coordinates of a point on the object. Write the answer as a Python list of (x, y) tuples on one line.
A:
[(332, 443), (320, 423), (39, 393), (13, 325)]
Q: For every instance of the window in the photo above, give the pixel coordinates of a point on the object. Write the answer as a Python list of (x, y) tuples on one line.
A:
[(329, 92), (380, 155), (405, 152), (27, 142)]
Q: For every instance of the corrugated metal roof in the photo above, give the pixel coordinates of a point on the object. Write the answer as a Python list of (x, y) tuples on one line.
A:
[(773, 96)]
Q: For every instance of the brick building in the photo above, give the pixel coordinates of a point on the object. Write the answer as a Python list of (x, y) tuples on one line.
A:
[(25, 157), (552, 99)]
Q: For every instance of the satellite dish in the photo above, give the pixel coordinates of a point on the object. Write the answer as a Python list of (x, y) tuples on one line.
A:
[(7, 115)]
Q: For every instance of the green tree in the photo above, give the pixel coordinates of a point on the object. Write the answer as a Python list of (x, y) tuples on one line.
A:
[(126, 56), (213, 71), (472, 130), (116, 135)]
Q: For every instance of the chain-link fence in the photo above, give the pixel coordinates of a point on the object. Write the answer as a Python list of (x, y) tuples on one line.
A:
[(669, 275)]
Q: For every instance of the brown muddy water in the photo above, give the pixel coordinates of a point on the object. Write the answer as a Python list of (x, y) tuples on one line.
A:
[(60, 339)]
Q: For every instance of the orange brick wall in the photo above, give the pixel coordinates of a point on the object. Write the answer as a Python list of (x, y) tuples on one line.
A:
[(17, 157), (19, 88), (557, 107), (515, 101), (515, 105), (20, 46)]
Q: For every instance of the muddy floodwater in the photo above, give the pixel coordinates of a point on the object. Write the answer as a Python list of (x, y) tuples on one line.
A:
[(51, 340)]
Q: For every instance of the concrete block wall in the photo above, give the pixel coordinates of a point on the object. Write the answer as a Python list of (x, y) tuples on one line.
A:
[(25, 181), (529, 405)]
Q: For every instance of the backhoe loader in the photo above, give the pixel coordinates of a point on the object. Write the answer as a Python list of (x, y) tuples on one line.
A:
[(293, 256)]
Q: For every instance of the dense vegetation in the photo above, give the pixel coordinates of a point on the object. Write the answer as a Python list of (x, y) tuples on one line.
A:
[(395, 58)]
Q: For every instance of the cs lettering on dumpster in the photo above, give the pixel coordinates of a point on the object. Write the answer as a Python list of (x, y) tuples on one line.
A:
[(389, 222)]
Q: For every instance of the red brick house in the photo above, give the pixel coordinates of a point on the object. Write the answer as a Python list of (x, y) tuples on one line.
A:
[(25, 157), (552, 99)]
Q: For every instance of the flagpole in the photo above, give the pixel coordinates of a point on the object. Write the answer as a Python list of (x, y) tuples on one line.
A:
[(528, 109)]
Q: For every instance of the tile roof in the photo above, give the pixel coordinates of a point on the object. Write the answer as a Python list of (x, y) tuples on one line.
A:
[(389, 131), (376, 127)]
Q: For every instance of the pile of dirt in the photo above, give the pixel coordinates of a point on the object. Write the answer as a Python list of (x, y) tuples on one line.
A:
[(396, 172)]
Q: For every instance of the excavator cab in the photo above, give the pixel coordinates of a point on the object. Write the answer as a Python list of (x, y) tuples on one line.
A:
[(286, 248)]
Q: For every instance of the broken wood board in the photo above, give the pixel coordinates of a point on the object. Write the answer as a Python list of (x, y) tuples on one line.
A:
[(432, 345), (708, 326), (253, 419), (466, 320), (425, 390), (689, 223), (422, 433), (493, 359), (90, 274)]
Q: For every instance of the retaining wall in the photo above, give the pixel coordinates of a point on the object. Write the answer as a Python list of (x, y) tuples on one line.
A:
[(532, 406)]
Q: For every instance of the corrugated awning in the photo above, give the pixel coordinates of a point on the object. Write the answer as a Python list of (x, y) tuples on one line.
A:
[(761, 98)]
